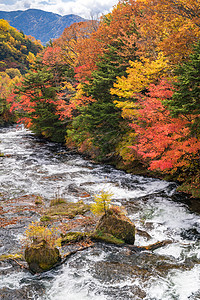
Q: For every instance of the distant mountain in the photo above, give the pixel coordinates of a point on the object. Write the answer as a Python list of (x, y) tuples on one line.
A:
[(38, 23)]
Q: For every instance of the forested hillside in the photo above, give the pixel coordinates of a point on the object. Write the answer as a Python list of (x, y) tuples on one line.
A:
[(16, 50), (127, 92)]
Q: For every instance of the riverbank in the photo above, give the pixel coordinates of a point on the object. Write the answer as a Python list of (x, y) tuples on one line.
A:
[(186, 187)]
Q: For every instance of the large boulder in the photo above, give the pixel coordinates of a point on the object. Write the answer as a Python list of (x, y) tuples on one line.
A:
[(116, 225), (41, 257)]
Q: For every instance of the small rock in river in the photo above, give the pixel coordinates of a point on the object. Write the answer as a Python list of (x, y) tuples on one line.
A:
[(117, 225)]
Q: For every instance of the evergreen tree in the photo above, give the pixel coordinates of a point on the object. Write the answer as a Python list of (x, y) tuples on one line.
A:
[(40, 88), (186, 98), (110, 65), (102, 119)]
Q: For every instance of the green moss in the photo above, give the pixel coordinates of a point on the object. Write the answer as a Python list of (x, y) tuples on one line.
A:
[(73, 237), (118, 226), (45, 219), (107, 238)]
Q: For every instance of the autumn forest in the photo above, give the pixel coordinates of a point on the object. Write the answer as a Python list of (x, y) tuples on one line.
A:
[(124, 89)]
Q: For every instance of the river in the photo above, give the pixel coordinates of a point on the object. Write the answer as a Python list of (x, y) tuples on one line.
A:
[(36, 168)]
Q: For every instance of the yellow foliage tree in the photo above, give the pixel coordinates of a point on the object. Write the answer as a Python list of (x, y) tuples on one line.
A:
[(4, 27), (140, 75), (102, 203)]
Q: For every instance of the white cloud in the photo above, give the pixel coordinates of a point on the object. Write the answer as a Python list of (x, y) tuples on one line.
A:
[(27, 4), (83, 8)]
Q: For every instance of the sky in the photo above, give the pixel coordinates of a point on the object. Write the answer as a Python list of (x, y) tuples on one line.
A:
[(83, 8)]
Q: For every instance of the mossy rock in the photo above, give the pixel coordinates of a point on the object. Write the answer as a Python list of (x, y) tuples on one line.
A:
[(68, 209), (41, 257), (116, 225), (73, 237)]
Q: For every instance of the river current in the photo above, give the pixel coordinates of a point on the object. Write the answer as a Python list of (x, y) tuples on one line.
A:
[(32, 166)]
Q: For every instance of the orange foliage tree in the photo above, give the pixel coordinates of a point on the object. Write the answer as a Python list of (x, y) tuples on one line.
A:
[(165, 143)]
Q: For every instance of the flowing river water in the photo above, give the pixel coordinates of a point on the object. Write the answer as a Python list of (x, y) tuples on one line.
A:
[(34, 167)]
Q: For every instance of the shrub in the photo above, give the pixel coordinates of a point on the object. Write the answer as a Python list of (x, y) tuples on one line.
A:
[(37, 233)]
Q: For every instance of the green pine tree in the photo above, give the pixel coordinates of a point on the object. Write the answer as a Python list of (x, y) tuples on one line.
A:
[(102, 119), (39, 84), (186, 98)]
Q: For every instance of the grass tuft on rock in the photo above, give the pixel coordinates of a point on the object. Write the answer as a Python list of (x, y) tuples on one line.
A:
[(10, 256), (57, 201)]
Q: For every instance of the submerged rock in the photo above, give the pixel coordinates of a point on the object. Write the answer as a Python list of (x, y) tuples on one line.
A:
[(41, 257), (116, 225)]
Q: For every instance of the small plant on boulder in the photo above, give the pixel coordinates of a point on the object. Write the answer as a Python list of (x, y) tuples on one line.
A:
[(41, 253), (1, 154), (102, 203), (113, 226), (37, 233)]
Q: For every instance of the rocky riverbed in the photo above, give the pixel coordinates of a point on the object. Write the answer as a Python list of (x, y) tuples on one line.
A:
[(34, 172)]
